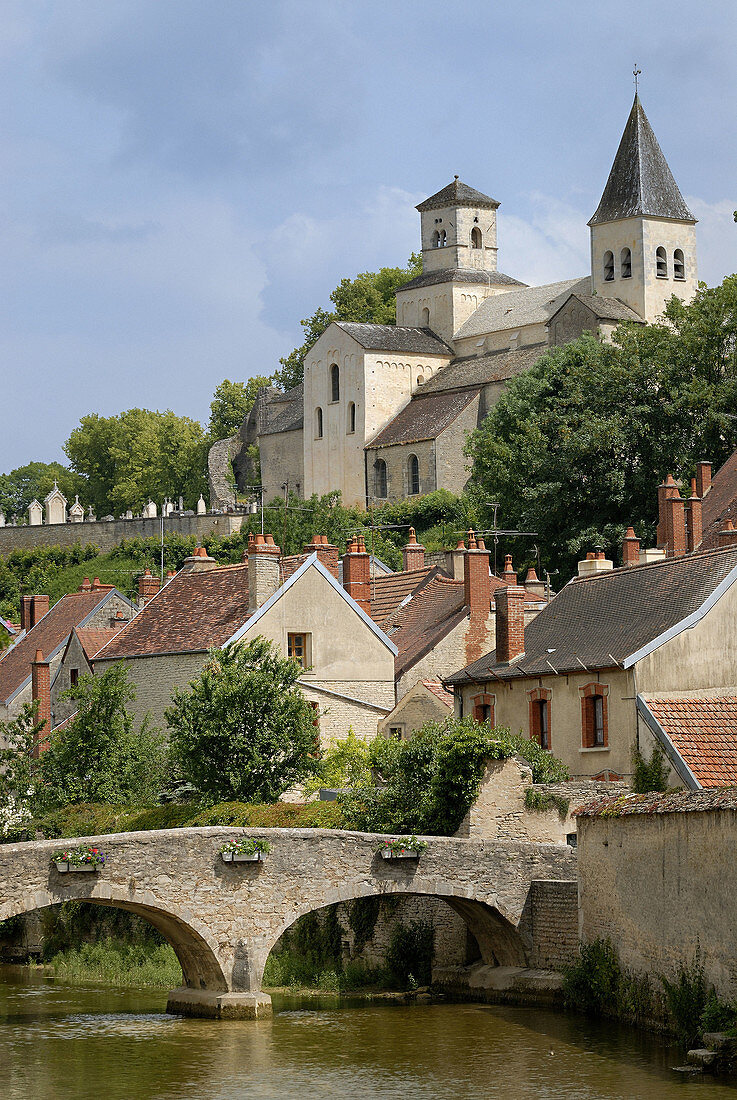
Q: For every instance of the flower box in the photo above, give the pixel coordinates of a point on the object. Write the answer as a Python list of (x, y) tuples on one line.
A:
[(407, 847), (83, 860), (63, 867), (401, 853), (246, 850), (241, 857)]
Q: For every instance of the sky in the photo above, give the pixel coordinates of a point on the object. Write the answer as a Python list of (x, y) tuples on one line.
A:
[(184, 180)]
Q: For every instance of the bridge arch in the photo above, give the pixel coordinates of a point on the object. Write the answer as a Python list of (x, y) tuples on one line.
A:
[(194, 946)]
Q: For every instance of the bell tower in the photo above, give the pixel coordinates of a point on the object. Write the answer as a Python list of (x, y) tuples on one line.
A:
[(458, 226)]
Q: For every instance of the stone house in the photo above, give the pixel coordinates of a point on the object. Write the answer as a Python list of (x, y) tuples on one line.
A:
[(76, 661), (427, 701), (582, 676), (384, 410)]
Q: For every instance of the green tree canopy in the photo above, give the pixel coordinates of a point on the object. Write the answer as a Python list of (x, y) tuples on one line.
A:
[(20, 486), (577, 445), (123, 460), (367, 298), (231, 403), (244, 731)]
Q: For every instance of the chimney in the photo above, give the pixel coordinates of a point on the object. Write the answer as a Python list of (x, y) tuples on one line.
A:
[(326, 553), (41, 692), (148, 586), (671, 531), (510, 623), (533, 584), (39, 606), (25, 613), (594, 564), (694, 519), (509, 576), (413, 554), (264, 570), (703, 479), (630, 548), (477, 588), (727, 535), (357, 573), (199, 561), (86, 585)]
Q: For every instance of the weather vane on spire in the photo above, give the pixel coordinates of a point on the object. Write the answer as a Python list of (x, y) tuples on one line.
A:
[(636, 72)]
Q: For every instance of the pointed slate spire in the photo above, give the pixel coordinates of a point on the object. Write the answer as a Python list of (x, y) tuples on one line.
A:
[(640, 183)]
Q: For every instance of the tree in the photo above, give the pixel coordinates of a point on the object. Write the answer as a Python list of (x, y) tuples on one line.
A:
[(244, 731), (20, 486), (577, 445), (231, 403), (99, 755), (19, 737), (367, 298), (124, 460)]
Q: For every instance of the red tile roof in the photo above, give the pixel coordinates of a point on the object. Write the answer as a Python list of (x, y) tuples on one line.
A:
[(93, 639), (704, 732), (437, 689), (434, 610), (48, 635), (191, 613), (720, 503), (387, 592)]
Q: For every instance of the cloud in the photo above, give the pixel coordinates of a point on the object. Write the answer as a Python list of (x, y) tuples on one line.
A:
[(548, 245), (716, 236)]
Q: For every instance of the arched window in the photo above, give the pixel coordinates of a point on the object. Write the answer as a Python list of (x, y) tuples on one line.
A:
[(625, 263), (679, 264), (436, 239), (442, 238), (380, 477), (413, 475), (426, 317), (318, 423), (334, 382), (420, 379), (475, 237), (661, 263), (608, 267), (351, 418)]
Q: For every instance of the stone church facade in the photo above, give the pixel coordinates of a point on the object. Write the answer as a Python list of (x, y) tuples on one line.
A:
[(384, 411)]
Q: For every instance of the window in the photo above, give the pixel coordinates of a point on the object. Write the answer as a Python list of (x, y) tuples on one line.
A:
[(625, 263), (297, 648), (318, 423), (334, 383), (661, 263), (540, 716), (380, 485), (483, 708), (426, 317), (351, 418), (679, 266), (475, 237), (413, 475), (442, 238), (594, 719), (542, 722), (436, 239), (396, 733), (608, 267), (598, 718), (73, 676)]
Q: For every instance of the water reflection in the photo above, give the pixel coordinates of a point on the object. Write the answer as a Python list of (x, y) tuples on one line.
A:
[(59, 1042)]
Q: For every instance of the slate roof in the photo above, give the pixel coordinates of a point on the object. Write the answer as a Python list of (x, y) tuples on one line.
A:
[(420, 341), (703, 731), (190, 614), (720, 503), (606, 309), (49, 635), (640, 182), (480, 370), (515, 308), (425, 417), (281, 412), (457, 193), (461, 275), (602, 620)]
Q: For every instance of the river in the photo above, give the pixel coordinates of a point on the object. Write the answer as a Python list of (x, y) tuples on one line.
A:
[(62, 1042)]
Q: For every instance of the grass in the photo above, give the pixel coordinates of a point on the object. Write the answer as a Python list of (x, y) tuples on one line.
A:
[(115, 962)]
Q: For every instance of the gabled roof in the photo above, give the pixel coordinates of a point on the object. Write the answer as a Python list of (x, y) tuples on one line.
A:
[(420, 341), (93, 639), (387, 593), (698, 733), (615, 618), (425, 417), (434, 610), (605, 309), (457, 193), (49, 635), (516, 308), (478, 276), (640, 183), (481, 370), (720, 503)]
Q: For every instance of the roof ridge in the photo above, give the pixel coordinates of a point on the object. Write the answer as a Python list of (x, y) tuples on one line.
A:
[(620, 570)]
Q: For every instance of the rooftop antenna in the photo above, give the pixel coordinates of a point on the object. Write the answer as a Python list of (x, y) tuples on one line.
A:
[(636, 72)]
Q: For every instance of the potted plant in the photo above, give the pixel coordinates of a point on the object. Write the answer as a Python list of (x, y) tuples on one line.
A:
[(84, 858), (405, 847), (246, 850)]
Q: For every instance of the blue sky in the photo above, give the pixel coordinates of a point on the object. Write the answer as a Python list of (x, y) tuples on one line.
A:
[(185, 179)]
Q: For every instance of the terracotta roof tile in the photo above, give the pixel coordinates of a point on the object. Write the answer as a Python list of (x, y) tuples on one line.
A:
[(387, 592), (720, 503), (94, 639), (417, 627), (704, 732), (437, 689)]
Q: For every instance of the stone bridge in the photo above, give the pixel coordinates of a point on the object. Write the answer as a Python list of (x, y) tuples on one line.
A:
[(223, 919)]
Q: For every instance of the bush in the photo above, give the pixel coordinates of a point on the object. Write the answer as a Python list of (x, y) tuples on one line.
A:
[(410, 954), (649, 775), (590, 984), (687, 999)]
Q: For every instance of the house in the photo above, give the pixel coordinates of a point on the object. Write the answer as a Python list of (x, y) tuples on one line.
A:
[(76, 661), (585, 676), (296, 602), (427, 701)]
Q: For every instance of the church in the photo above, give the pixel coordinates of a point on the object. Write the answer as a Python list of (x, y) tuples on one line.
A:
[(384, 411)]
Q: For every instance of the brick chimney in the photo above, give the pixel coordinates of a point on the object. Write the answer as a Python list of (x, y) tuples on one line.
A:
[(630, 548), (264, 570), (671, 531), (86, 585), (41, 692), (199, 561), (32, 610), (148, 586), (703, 479), (477, 597), (25, 612), (357, 573), (509, 576), (727, 535), (326, 553), (510, 622), (413, 554), (694, 519)]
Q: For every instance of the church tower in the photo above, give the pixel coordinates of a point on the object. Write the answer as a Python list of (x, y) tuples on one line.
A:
[(643, 242)]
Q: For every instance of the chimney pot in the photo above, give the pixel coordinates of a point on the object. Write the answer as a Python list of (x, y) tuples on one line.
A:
[(413, 554), (630, 548)]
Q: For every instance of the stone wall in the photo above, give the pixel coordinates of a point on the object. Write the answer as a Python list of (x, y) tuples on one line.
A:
[(154, 679), (105, 534), (550, 921)]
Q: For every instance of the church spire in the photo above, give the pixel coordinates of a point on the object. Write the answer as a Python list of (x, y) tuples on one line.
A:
[(640, 183)]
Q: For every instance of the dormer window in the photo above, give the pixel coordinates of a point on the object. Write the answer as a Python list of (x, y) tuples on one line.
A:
[(661, 263), (608, 267), (334, 383), (475, 237), (625, 263), (679, 265)]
